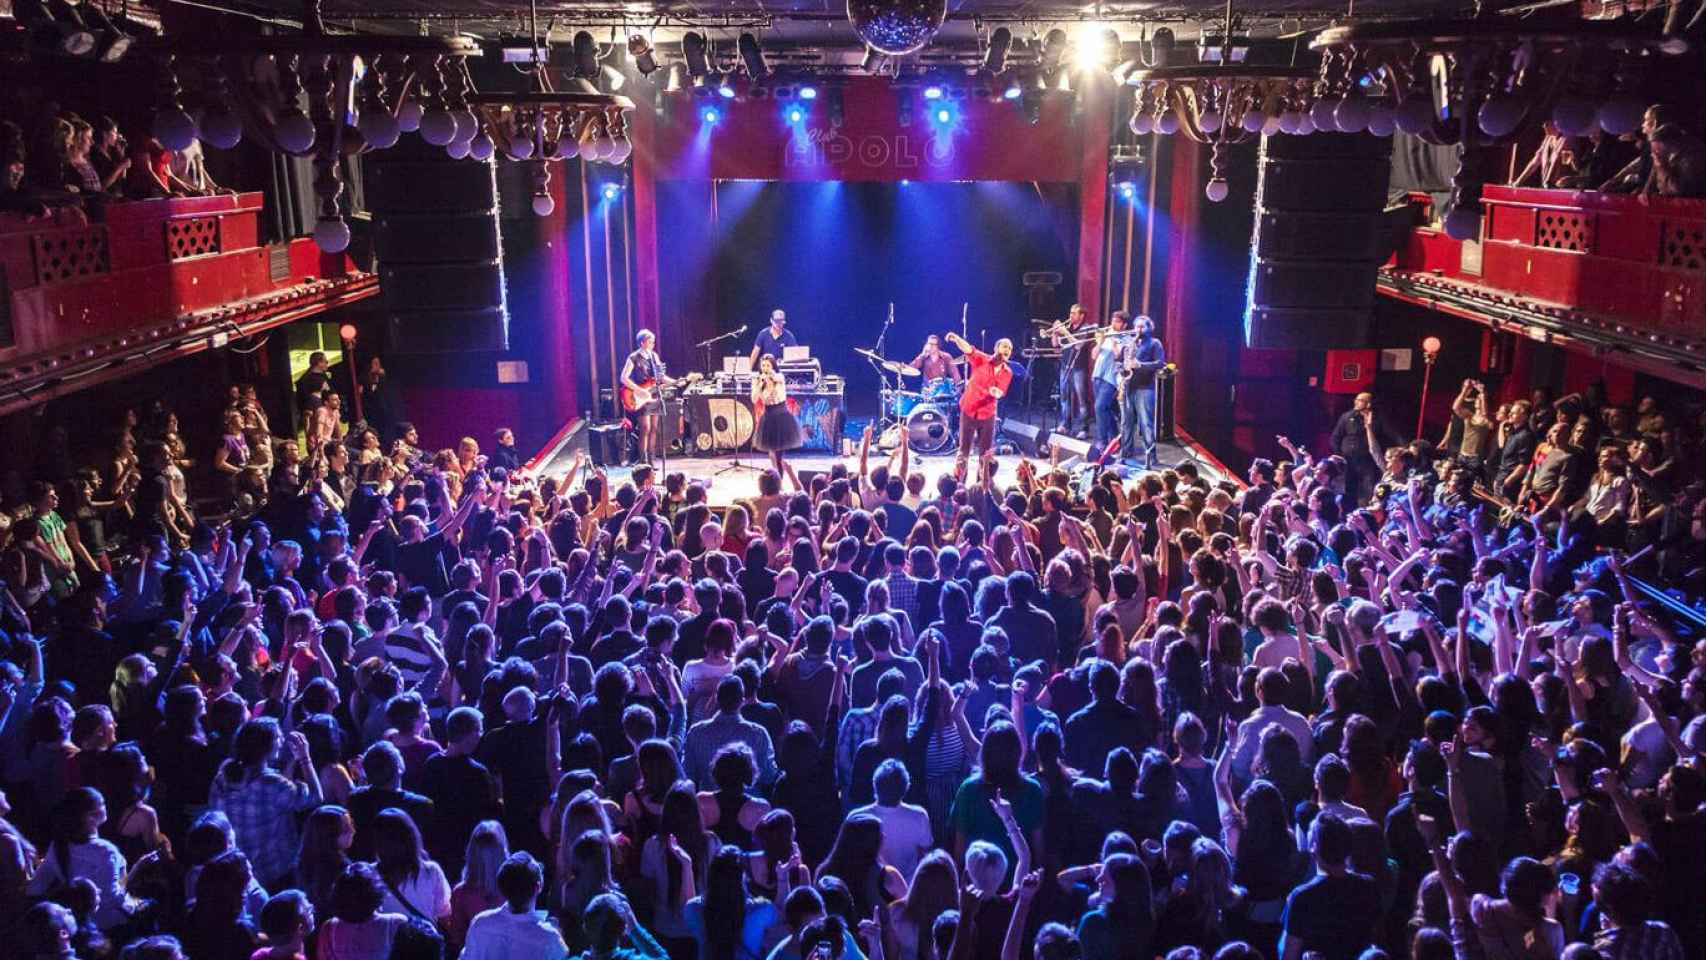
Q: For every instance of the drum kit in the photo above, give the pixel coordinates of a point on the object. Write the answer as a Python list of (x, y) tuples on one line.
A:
[(926, 419)]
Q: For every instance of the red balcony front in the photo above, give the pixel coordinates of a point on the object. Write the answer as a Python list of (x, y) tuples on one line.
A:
[(155, 279)]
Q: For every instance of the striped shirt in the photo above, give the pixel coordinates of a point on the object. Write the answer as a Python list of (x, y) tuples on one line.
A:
[(412, 649)]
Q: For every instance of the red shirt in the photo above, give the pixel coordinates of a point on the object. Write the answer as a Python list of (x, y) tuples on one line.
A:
[(986, 374)]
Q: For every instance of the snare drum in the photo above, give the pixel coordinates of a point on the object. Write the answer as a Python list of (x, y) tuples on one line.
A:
[(901, 402)]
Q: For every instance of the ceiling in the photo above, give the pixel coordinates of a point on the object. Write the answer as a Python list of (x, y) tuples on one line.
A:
[(821, 25)]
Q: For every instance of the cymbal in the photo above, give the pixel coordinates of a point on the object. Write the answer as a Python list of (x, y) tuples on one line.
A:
[(867, 352), (904, 369)]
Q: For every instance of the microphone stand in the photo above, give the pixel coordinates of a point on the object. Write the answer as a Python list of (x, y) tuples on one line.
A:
[(706, 345)]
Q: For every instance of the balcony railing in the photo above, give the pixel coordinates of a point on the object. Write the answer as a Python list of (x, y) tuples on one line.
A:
[(161, 276), (1620, 271)]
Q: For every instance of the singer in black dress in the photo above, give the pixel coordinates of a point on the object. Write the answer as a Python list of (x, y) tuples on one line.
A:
[(777, 429)]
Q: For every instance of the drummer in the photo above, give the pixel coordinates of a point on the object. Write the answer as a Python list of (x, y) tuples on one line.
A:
[(934, 362)]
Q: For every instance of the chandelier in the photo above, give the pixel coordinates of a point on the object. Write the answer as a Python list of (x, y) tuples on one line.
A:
[(324, 96), (1482, 81), (1222, 101)]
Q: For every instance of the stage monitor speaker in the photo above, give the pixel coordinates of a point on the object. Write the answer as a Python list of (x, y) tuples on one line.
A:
[(439, 248), (1166, 426), (1318, 240), (1028, 438), (605, 442)]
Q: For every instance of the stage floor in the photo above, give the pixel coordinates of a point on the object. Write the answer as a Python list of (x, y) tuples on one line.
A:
[(726, 486)]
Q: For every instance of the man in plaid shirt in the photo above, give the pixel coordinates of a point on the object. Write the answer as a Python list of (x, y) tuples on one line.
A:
[(262, 803), (860, 724)]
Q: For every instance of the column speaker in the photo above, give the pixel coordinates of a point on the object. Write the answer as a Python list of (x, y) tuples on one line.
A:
[(1319, 239)]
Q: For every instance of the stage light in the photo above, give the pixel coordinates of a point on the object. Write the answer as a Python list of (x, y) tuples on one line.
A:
[(710, 115), (611, 191), (932, 92), (995, 59), (1127, 189), (586, 56), (57, 23), (795, 113), (112, 42), (644, 57), (1053, 48), (693, 51), (726, 90), (808, 92), (873, 60), (944, 116), (1096, 47), (752, 56)]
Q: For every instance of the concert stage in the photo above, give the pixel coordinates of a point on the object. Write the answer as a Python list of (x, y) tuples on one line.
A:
[(734, 485)]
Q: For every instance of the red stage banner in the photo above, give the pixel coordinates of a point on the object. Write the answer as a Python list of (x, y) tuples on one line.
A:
[(754, 139)]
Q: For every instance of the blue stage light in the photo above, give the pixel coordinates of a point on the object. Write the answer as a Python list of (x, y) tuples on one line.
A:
[(1012, 92), (1127, 189), (796, 113), (932, 93), (944, 116), (612, 191), (808, 93), (726, 91), (710, 114)]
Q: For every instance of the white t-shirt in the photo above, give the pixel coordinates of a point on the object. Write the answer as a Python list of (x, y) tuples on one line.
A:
[(428, 892), (906, 835)]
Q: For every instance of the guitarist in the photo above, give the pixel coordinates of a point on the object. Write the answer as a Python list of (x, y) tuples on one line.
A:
[(642, 376)]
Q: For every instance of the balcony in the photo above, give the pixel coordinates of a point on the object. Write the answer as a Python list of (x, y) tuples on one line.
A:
[(1606, 272), (154, 280)]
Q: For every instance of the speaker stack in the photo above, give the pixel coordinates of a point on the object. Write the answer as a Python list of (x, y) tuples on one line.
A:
[(1318, 240), (440, 254)]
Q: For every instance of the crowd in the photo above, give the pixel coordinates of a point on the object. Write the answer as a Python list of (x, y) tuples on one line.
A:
[(359, 701), (1663, 158), (68, 163)]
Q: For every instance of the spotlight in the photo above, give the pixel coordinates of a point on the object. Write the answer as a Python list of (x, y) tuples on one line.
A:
[(808, 92), (1054, 48), (944, 116), (1011, 91), (795, 113), (710, 115), (611, 191), (932, 92), (113, 42), (726, 89), (1096, 49), (698, 61), (995, 60), (645, 59), (613, 78), (873, 60), (1127, 189), (586, 56), (752, 56), (57, 24)]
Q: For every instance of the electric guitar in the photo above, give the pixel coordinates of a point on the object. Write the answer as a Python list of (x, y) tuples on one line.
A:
[(635, 399)]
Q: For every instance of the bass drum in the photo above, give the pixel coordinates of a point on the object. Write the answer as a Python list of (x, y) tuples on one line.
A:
[(928, 429)]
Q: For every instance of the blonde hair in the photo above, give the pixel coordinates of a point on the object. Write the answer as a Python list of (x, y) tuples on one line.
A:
[(488, 848)]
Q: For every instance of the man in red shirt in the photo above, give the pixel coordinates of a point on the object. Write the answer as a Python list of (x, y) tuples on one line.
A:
[(989, 377)]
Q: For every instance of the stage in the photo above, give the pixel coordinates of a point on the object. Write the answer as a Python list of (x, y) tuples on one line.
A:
[(726, 486)]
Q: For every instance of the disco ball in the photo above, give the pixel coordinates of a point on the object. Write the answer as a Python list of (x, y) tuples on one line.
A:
[(1217, 190), (896, 27), (332, 236)]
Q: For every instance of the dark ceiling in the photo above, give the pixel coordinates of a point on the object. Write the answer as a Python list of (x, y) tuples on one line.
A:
[(783, 24)]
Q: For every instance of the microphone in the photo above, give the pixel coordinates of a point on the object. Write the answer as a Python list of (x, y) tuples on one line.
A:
[(741, 330)]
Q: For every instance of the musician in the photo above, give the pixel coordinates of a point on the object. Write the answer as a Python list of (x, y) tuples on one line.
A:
[(934, 363), (1074, 377), (990, 376), (1141, 360), (643, 372), (1106, 375), (774, 338), (778, 430)]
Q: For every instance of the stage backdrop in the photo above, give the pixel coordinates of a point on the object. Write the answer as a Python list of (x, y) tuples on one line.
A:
[(982, 140), (835, 255)]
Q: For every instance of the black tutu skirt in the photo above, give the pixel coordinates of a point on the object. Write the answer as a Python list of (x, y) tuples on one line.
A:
[(778, 430)]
